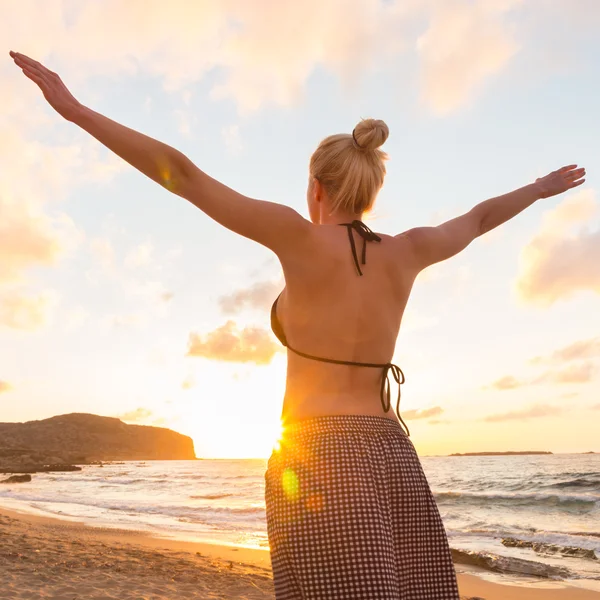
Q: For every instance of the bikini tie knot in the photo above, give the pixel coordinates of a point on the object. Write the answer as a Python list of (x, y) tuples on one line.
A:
[(367, 236), (398, 376), (364, 232)]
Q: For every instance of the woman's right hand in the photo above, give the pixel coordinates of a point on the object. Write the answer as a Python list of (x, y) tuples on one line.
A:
[(560, 181)]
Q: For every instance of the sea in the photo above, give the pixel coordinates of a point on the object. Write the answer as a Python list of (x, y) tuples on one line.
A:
[(518, 516)]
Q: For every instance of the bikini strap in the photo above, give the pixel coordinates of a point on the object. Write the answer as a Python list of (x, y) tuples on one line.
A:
[(366, 234), (385, 391)]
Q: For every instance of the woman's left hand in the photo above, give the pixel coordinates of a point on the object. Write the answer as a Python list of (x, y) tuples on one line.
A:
[(54, 90)]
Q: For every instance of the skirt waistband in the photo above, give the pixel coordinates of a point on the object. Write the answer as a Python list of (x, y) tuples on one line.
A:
[(342, 423)]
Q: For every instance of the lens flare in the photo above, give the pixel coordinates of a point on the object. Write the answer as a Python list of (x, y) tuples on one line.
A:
[(290, 483)]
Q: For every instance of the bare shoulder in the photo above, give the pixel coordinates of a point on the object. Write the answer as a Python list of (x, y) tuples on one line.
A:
[(430, 245), (404, 245)]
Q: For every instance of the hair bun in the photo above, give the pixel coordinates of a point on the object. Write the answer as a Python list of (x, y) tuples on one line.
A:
[(369, 134)]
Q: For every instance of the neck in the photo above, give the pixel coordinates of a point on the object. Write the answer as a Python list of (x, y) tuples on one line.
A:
[(337, 218)]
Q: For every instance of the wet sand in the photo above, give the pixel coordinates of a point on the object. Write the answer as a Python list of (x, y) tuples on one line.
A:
[(42, 557)]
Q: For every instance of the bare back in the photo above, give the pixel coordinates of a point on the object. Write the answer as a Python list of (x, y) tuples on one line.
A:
[(328, 310)]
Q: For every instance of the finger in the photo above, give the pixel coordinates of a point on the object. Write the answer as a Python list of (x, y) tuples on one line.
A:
[(574, 174), (576, 183), (567, 168), (36, 78), (26, 68), (26, 59), (22, 59)]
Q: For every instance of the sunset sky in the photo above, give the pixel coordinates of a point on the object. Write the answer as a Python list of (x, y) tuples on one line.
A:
[(121, 299)]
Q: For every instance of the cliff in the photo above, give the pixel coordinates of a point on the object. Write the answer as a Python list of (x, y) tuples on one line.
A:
[(81, 438)]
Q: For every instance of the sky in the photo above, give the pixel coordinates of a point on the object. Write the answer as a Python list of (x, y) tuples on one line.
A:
[(121, 299)]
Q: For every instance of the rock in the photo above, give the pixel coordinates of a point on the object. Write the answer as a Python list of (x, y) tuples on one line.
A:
[(505, 564), (82, 438), (38, 468), (547, 548), (17, 479)]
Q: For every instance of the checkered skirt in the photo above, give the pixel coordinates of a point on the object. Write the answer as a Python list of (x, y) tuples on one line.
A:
[(351, 516)]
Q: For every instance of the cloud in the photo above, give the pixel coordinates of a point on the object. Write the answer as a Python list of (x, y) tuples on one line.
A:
[(30, 238), (577, 350), (578, 373), (227, 343), (27, 311), (137, 415), (536, 411), (594, 407), (5, 386), (258, 296), (557, 262), (508, 382), (438, 422), (257, 64), (465, 43), (423, 413)]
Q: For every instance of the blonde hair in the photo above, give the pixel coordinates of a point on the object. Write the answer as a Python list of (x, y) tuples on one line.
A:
[(351, 168)]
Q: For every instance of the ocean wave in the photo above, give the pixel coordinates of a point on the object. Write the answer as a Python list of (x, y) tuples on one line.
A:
[(585, 533), (578, 482), (533, 499), (197, 512), (179, 511), (210, 496)]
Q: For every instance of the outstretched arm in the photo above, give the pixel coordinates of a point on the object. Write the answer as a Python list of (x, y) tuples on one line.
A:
[(435, 244), (274, 225)]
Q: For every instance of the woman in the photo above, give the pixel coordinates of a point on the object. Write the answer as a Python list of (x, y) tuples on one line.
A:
[(349, 510)]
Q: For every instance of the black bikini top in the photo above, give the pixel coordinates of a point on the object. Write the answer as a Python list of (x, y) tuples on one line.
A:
[(367, 236)]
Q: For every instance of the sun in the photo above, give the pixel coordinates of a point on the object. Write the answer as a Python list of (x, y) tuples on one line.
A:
[(226, 438)]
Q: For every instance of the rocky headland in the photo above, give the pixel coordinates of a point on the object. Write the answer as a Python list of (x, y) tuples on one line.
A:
[(59, 443)]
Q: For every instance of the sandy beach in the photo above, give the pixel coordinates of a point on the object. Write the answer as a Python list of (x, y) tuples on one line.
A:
[(50, 558)]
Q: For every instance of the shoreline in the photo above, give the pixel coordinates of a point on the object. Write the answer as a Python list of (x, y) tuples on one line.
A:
[(227, 569)]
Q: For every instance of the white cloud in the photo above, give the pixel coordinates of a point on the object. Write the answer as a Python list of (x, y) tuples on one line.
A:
[(559, 262), (465, 44), (264, 52)]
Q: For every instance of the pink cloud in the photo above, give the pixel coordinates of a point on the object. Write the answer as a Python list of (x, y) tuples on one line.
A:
[(558, 263), (259, 295), (422, 413), (20, 310), (589, 348), (537, 411), (229, 344)]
